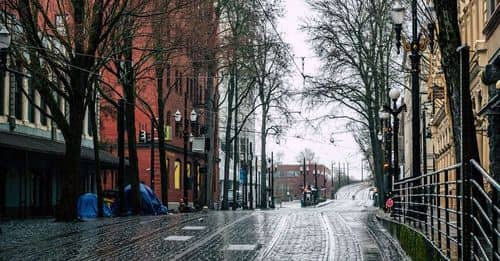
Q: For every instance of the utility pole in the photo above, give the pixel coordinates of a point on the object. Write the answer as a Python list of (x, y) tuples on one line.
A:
[(272, 180), (348, 179), (121, 154), (340, 179), (236, 141), (152, 163), (304, 172), (250, 170)]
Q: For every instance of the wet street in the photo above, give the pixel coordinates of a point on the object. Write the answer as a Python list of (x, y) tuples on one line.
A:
[(343, 229)]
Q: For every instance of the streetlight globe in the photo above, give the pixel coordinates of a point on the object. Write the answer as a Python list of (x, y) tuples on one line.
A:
[(383, 115), (394, 93), (178, 116), (4, 37), (194, 116), (398, 13)]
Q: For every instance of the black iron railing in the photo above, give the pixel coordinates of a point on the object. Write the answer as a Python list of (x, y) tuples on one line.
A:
[(433, 204), (485, 212)]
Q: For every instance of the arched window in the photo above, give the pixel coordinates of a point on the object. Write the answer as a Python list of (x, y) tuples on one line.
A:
[(177, 174), (169, 118), (166, 172)]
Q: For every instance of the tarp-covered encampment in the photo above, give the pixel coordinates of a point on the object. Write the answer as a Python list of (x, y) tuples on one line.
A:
[(87, 206), (151, 205)]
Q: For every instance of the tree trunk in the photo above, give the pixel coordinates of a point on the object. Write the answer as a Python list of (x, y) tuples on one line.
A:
[(227, 145), (263, 163), (449, 40), (133, 169), (211, 133), (70, 175), (97, 160), (161, 135)]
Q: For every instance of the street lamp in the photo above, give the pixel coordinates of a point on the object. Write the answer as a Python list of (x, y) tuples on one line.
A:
[(418, 44), (395, 94), (5, 39), (186, 135), (398, 15)]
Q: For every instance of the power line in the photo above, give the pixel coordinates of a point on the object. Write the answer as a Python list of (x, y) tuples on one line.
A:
[(279, 37)]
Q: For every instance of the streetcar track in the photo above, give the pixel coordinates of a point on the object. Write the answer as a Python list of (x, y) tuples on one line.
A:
[(330, 253), (208, 238), (278, 235), (111, 229), (354, 237), (135, 240)]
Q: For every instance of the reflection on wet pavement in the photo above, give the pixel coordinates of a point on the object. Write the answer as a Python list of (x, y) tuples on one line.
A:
[(343, 229)]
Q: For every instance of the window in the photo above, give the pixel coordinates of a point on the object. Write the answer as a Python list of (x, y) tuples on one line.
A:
[(169, 118), (492, 5), (16, 85), (168, 168), (2, 92), (177, 81), (177, 174), (61, 24), (31, 100), (43, 117)]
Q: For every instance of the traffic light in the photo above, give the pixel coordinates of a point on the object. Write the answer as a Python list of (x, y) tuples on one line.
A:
[(142, 136)]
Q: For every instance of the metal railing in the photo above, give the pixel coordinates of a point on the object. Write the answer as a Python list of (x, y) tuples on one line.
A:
[(485, 212), (433, 204)]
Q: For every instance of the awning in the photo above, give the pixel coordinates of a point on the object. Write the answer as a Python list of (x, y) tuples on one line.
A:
[(48, 147)]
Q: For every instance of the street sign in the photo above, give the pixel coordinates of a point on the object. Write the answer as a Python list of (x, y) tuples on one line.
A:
[(199, 144), (243, 175)]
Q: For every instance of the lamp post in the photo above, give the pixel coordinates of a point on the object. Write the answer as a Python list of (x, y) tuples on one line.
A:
[(394, 95), (178, 117), (418, 44), (5, 39)]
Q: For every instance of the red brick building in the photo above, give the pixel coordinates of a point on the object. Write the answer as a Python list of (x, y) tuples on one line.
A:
[(185, 76), (289, 180)]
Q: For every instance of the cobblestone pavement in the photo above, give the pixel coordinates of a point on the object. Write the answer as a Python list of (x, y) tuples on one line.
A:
[(342, 229)]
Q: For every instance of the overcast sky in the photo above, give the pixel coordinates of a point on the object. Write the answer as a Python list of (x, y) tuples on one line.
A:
[(316, 138)]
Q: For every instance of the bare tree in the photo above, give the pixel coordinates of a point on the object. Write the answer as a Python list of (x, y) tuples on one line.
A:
[(308, 155), (353, 38), (61, 55)]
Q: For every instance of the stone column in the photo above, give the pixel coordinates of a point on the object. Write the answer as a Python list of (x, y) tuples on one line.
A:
[(6, 93), (24, 100), (38, 101), (86, 123)]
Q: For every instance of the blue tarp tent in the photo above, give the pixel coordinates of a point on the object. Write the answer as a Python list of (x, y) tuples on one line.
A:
[(151, 205), (87, 206)]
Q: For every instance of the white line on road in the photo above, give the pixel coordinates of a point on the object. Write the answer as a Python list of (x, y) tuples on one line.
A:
[(177, 238), (194, 228), (207, 239)]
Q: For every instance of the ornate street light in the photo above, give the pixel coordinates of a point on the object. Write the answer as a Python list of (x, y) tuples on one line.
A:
[(417, 44), (4, 47), (194, 116), (178, 116), (398, 15)]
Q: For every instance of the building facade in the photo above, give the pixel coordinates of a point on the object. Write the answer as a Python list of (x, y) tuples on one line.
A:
[(186, 84)]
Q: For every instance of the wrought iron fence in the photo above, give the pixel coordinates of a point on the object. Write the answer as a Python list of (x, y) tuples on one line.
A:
[(459, 218)]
